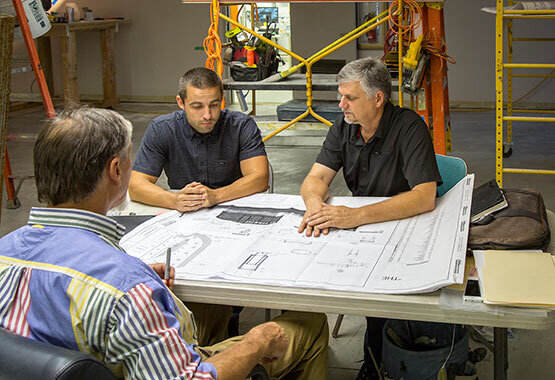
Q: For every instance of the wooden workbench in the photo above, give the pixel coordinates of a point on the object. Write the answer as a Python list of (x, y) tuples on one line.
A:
[(67, 33)]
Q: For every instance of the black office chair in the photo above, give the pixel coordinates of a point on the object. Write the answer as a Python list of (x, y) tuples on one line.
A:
[(23, 358)]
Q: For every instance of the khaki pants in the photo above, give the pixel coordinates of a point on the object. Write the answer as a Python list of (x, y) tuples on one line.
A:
[(307, 355), (211, 321)]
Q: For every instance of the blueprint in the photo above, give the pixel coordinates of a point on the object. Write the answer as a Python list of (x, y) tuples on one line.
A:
[(255, 240)]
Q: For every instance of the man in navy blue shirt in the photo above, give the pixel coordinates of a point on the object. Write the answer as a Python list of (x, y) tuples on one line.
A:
[(209, 155)]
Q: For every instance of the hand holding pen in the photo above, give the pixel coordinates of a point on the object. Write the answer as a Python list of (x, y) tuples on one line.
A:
[(165, 270), (168, 266)]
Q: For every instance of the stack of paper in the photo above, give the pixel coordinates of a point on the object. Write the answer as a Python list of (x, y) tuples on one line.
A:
[(517, 278)]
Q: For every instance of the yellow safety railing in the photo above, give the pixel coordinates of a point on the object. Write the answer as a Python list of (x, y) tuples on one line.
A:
[(534, 111), (308, 62), (530, 65), (532, 14), (524, 118)]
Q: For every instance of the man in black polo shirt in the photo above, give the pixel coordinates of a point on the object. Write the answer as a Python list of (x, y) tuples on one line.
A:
[(210, 155), (384, 150)]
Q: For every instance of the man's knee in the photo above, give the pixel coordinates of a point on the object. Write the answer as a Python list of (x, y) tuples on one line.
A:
[(314, 325), (321, 320)]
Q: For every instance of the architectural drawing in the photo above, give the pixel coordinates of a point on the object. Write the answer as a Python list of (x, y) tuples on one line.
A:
[(261, 245), (254, 261)]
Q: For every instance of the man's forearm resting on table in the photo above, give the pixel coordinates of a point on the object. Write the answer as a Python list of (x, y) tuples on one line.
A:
[(414, 202), (254, 180), (316, 186), (314, 191), (143, 188), (247, 185)]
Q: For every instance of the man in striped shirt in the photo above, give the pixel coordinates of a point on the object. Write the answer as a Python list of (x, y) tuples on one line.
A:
[(65, 280)]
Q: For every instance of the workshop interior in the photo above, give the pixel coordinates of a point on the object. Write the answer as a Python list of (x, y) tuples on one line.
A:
[(479, 74)]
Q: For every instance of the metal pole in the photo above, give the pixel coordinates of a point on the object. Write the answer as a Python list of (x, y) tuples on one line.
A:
[(500, 357)]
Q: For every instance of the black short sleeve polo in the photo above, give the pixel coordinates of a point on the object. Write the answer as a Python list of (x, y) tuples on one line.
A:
[(397, 158)]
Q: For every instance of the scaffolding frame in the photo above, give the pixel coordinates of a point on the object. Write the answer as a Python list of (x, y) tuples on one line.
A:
[(308, 62), (435, 105), (503, 14)]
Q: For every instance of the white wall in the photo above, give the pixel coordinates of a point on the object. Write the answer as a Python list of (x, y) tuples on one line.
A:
[(314, 26), (152, 51), (157, 46)]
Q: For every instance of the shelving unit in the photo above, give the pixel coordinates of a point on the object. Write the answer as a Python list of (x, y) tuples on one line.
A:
[(500, 67)]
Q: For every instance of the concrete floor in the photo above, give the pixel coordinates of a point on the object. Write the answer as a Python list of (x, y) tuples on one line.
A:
[(292, 154)]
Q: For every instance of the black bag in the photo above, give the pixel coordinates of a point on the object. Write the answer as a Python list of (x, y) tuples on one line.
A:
[(267, 63), (422, 359), (522, 225)]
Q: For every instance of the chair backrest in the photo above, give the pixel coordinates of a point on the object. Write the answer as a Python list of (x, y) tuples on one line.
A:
[(24, 358), (452, 170)]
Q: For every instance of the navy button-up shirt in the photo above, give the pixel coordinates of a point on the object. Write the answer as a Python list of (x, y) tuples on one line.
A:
[(213, 159)]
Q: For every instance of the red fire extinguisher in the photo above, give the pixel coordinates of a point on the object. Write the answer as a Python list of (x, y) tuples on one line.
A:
[(371, 35)]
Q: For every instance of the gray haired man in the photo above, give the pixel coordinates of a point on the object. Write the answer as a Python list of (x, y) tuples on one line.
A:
[(66, 281), (384, 150)]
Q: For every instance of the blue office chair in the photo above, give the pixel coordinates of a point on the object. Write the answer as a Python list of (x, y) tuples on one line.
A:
[(452, 170)]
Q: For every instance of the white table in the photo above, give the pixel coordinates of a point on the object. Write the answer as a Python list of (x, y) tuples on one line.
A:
[(420, 307)]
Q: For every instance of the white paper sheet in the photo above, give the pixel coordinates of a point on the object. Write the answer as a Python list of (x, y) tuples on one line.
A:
[(255, 240)]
